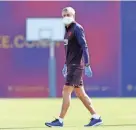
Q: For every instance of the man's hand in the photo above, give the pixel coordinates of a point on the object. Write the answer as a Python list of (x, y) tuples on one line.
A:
[(88, 71), (64, 71)]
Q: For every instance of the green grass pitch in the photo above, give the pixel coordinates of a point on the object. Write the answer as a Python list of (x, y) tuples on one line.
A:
[(31, 114)]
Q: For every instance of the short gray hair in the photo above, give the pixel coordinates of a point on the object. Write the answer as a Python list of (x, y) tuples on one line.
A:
[(69, 9)]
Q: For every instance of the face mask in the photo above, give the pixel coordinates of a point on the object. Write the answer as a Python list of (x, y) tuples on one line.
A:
[(68, 20)]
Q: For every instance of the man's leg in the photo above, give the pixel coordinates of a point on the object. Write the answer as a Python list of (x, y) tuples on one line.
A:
[(81, 94), (67, 90)]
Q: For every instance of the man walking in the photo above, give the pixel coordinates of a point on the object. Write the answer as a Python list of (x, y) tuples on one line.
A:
[(76, 52)]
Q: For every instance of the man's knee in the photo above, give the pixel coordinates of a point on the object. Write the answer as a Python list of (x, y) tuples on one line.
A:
[(80, 93), (67, 90)]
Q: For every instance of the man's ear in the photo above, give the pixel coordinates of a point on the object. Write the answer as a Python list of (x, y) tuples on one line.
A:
[(74, 17)]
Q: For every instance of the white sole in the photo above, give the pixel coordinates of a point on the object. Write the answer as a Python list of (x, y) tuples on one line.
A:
[(53, 126), (97, 124)]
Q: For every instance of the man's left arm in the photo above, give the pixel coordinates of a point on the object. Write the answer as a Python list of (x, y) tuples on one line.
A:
[(80, 35)]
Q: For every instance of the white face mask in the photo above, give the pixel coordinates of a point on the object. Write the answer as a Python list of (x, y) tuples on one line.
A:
[(68, 20)]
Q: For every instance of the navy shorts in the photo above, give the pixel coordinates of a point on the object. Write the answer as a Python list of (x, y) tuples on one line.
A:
[(74, 75)]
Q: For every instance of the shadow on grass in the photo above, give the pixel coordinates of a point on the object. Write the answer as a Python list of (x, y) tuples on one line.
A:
[(112, 125)]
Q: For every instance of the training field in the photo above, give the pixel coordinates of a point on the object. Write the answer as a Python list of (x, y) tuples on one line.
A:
[(30, 114)]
